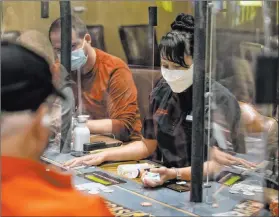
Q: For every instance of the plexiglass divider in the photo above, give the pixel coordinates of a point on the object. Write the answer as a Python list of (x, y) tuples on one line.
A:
[(144, 101)]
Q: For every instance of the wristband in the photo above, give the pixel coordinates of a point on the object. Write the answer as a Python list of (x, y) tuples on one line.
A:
[(178, 175)]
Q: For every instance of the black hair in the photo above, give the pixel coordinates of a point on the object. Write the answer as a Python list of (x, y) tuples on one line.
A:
[(179, 41), (77, 24)]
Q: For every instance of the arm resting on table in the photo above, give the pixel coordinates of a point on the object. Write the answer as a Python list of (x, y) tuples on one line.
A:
[(133, 151), (171, 173), (100, 126), (186, 171), (121, 107)]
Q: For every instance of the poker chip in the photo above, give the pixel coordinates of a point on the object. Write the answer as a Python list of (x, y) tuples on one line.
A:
[(146, 204), (258, 187), (248, 193), (215, 205), (258, 190), (181, 183), (79, 188), (233, 192), (108, 190), (93, 192), (250, 188), (235, 188)]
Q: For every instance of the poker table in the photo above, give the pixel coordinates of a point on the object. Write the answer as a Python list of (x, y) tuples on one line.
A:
[(127, 197)]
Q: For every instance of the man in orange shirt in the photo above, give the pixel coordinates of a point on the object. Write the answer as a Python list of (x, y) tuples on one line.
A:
[(109, 95), (28, 188)]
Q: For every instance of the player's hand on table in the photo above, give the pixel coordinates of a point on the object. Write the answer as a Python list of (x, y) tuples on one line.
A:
[(88, 160), (165, 175), (227, 159)]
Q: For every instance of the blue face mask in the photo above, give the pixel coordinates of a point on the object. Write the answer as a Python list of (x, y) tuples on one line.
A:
[(78, 58)]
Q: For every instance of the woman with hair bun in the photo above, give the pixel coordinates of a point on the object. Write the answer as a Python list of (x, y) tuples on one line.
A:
[(168, 128)]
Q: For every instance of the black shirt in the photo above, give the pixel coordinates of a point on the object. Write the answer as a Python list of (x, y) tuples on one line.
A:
[(169, 122)]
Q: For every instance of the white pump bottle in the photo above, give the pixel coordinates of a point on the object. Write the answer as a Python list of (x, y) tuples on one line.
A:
[(81, 133)]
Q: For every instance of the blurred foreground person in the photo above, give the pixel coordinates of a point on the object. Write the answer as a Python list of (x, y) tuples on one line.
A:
[(28, 188), (168, 127), (61, 129)]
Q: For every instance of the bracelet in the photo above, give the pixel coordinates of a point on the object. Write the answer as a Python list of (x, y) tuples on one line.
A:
[(178, 175)]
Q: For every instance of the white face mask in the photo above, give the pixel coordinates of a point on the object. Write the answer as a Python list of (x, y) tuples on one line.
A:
[(179, 80), (78, 58)]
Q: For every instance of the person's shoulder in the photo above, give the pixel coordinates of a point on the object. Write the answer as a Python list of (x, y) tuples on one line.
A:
[(224, 97), (65, 201), (110, 61), (161, 88), (219, 89)]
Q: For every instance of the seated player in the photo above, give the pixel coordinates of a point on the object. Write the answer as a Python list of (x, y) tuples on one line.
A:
[(168, 128), (109, 94), (236, 75), (28, 188), (61, 131)]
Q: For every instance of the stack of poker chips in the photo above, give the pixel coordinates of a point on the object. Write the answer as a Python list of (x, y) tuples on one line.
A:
[(245, 189), (274, 208)]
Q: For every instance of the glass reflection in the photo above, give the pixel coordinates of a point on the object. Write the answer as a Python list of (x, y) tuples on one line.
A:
[(134, 82)]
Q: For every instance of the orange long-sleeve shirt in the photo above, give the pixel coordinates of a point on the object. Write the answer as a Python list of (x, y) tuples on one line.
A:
[(29, 189), (109, 92)]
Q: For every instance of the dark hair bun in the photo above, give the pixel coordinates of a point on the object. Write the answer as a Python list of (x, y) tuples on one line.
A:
[(184, 22)]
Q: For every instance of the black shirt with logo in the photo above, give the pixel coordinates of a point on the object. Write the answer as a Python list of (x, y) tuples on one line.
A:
[(170, 122)]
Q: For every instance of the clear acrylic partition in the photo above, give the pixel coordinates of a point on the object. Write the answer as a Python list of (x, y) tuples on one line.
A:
[(242, 31), (120, 28)]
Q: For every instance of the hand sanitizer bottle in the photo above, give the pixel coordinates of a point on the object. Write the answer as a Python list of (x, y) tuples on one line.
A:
[(81, 133)]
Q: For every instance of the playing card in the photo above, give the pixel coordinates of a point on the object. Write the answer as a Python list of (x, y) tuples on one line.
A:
[(93, 192), (89, 186)]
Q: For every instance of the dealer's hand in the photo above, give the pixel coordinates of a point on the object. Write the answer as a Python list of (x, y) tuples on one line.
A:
[(224, 158), (165, 175), (88, 160)]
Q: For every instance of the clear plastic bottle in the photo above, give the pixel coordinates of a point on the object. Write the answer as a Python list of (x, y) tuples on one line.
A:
[(81, 133)]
